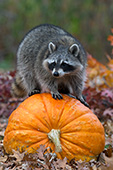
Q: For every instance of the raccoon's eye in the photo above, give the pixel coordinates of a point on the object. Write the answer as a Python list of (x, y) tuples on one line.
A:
[(66, 67), (51, 66), (63, 64)]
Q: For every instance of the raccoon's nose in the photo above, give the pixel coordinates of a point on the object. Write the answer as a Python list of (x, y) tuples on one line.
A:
[(56, 74)]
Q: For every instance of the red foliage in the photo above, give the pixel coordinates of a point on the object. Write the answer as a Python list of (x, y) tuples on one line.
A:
[(101, 102), (7, 102), (110, 37), (99, 88)]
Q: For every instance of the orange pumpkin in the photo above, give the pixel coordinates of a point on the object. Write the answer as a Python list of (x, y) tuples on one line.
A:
[(66, 125)]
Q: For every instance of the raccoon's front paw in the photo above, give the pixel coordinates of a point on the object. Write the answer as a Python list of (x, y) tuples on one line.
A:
[(56, 95), (35, 91)]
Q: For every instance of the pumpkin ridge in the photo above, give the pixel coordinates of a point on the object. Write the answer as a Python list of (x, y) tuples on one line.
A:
[(67, 124), (24, 134), (61, 112), (50, 144), (27, 130), (71, 155), (76, 155), (66, 102), (35, 146), (22, 105), (81, 147), (50, 125), (63, 115), (34, 117), (43, 124), (59, 155), (39, 141), (83, 130)]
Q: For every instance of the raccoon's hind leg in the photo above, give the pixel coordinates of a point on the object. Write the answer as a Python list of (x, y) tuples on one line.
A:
[(77, 91), (80, 97), (82, 100), (18, 88), (32, 86)]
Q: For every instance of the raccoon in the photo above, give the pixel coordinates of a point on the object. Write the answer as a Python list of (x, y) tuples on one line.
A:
[(49, 59)]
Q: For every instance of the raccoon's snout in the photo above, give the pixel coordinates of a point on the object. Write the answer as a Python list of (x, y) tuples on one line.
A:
[(56, 74)]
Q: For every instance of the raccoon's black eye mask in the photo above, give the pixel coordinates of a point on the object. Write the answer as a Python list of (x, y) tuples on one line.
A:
[(51, 66), (66, 67)]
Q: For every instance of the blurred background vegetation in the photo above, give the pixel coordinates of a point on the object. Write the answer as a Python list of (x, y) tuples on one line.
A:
[(90, 21)]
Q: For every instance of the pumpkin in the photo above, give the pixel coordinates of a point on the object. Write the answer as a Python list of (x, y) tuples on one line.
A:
[(67, 126)]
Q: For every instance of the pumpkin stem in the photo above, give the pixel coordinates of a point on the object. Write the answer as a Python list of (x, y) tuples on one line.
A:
[(54, 136)]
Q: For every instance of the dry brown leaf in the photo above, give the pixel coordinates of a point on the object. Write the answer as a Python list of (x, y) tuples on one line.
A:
[(60, 164), (109, 164), (3, 158), (19, 156)]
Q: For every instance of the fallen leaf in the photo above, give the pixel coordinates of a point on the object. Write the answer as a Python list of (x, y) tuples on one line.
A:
[(19, 156), (3, 158)]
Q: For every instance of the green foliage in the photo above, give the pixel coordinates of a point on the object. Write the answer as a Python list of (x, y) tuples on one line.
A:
[(90, 21)]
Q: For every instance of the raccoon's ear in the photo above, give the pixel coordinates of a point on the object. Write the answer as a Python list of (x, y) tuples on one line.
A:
[(52, 47), (74, 49)]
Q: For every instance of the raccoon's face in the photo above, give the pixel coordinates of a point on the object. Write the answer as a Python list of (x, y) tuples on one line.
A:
[(62, 61)]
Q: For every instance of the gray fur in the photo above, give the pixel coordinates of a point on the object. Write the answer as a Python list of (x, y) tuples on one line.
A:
[(42, 46)]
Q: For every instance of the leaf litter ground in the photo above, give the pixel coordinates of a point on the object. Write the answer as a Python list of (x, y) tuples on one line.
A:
[(98, 94)]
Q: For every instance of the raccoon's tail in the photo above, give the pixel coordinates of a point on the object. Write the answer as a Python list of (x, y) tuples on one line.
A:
[(18, 89)]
